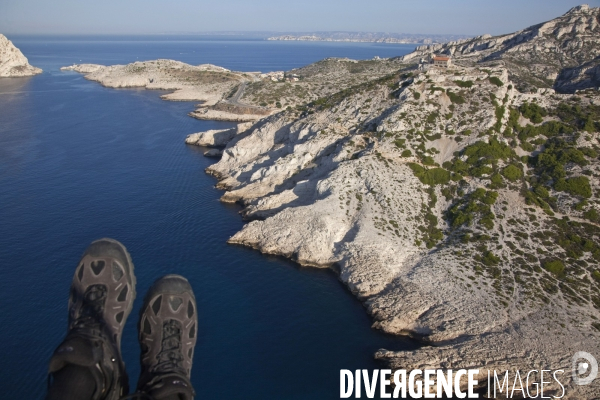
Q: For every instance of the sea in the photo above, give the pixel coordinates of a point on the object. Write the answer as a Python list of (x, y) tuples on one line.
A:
[(80, 162)]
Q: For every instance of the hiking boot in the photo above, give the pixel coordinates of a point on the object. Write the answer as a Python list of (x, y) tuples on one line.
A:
[(167, 334), (101, 298)]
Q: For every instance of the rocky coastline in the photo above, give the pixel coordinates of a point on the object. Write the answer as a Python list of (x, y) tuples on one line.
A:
[(460, 205)]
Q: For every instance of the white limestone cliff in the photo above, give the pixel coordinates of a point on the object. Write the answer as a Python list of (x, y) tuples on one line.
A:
[(12, 62)]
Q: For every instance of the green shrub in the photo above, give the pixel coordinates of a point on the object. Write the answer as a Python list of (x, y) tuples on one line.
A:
[(464, 84), (478, 172), (428, 160), (525, 145), (512, 173), (550, 164), (417, 95), (499, 115), (592, 215), (493, 150), (541, 191), (399, 143), (588, 151), (478, 203), (494, 80), (406, 153), (548, 129), (432, 176), (431, 234), (578, 186), (456, 98), (555, 266), (497, 181), (533, 112), (431, 118), (589, 125), (490, 258)]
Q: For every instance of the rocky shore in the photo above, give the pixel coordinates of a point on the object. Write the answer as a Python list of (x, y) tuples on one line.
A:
[(460, 204), (427, 193), (12, 62)]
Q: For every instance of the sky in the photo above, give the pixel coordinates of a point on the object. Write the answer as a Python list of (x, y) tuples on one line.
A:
[(458, 17)]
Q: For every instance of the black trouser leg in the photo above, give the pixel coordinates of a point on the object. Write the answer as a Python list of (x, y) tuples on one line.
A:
[(72, 382)]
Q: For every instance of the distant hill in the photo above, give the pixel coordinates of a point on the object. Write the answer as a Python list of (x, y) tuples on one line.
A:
[(377, 37)]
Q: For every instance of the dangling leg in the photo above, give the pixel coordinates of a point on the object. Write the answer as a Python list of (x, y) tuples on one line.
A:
[(167, 333), (88, 364)]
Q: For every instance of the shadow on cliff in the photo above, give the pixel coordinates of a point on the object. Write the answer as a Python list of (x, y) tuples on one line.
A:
[(303, 184)]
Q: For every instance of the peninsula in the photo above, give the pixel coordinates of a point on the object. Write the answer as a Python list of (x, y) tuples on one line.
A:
[(12, 62), (459, 201)]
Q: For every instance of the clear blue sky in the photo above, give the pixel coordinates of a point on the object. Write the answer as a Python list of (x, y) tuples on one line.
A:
[(470, 17)]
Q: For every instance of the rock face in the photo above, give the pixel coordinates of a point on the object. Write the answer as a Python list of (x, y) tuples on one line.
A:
[(399, 188), (536, 55), (586, 76), (13, 62)]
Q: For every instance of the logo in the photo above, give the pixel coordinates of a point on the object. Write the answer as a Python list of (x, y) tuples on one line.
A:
[(581, 368), (462, 383)]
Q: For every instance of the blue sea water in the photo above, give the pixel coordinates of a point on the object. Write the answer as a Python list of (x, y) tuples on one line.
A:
[(79, 162)]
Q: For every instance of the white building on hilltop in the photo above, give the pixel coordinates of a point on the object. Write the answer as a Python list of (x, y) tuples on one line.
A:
[(442, 61)]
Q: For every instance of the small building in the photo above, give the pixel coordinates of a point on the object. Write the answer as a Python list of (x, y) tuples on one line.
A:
[(442, 61)]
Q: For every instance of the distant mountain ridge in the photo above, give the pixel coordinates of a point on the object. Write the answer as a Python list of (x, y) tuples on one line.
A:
[(374, 37)]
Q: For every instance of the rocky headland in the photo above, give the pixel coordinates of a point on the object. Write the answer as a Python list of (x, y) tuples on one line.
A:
[(237, 96), (12, 62), (460, 204), (207, 83)]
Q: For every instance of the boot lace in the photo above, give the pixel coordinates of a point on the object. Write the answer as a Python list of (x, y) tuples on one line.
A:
[(170, 357), (92, 309)]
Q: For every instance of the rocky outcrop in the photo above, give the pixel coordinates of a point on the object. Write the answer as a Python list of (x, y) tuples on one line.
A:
[(586, 76), (13, 62), (210, 138), (216, 153), (216, 137)]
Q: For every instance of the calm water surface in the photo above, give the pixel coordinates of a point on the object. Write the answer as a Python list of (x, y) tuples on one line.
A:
[(79, 162)]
